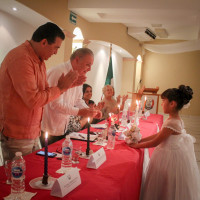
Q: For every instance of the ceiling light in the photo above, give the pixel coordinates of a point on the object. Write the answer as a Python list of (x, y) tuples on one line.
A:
[(14, 9), (139, 58), (150, 33)]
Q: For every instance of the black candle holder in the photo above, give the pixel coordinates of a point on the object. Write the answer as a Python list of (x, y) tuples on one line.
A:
[(45, 179)]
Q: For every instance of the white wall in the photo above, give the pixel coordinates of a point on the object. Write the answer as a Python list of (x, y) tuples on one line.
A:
[(97, 76), (13, 32)]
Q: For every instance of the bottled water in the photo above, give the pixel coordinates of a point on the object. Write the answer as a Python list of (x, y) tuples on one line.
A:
[(124, 118), (18, 169), (105, 133), (67, 148), (111, 137)]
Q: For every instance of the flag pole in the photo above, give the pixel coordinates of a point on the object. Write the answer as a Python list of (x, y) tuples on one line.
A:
[(110, 51)]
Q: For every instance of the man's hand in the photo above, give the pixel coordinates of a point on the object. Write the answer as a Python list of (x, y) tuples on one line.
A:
[(80, 80), (90, 112), (66, 81), (98, 115), (87, 112)]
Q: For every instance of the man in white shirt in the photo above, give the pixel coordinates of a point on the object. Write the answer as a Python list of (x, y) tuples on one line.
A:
[(56, 114)]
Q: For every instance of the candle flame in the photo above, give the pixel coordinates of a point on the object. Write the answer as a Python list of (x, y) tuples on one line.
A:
[(88, 119), (145, 98), (46, 135), (110, 114), (118, 106), (137, 102)]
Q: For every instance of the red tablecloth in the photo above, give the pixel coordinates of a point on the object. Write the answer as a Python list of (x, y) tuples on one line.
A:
[(119, 178)]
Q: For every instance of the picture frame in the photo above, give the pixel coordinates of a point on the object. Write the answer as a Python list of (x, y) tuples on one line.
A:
[(151, 103)]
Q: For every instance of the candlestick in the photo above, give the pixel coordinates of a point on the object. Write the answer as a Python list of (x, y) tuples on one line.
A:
[(88, 138), (136, 112), (118, 113), (45, 176), (144, 105), (128, 113)]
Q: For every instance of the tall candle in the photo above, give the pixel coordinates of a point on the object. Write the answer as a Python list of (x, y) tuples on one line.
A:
[(128, 113), (144, 104), (118, 113), (88, 138), (45, 175), (109, 120), (136, 112), (46, 155)]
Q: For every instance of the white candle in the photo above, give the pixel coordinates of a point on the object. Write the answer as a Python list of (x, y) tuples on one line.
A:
[(128, 114), (118, 113), (136, 112)]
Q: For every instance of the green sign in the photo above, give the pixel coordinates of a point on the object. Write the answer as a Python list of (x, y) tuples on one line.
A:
[(72, 18)]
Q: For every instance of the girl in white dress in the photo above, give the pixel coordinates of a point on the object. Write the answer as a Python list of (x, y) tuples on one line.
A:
[(172, 173)]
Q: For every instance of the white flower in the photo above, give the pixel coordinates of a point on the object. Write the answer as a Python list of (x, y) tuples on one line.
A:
[(132, 135)]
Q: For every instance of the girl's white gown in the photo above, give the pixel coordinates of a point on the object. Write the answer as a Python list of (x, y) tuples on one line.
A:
[(172, 173)]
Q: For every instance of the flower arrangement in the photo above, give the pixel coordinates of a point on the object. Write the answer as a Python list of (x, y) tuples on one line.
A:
[(132, 135)]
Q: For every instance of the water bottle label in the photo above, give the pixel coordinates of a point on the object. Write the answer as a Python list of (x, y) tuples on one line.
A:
[(113, 133), (17, 172), (67, 151)]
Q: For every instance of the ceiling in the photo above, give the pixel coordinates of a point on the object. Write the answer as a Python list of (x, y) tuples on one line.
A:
[(24, 13), (176, 19), (170, 20)]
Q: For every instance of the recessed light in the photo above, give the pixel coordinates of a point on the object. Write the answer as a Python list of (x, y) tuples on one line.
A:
[(14, 9)]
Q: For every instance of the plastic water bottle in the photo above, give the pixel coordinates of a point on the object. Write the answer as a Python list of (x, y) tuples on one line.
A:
[(67, 148), (18, 169), (111, 137), (124, 118)]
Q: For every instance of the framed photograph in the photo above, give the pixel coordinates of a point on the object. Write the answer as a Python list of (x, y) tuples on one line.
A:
[(151, 103)]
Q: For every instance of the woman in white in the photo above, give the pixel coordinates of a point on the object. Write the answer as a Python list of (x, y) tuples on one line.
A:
[(172, 173)]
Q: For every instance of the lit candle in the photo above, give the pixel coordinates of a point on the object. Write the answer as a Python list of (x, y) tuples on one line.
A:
[(88, 138), (109, 120), (128, 113), (137, 107), (118, 113), (144, 104), (45, 176), (136, 112)]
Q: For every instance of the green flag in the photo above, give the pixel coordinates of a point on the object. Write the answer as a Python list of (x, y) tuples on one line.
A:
[(109, 76)]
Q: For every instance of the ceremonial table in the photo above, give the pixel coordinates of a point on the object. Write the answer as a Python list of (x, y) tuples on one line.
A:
[(118, 178)]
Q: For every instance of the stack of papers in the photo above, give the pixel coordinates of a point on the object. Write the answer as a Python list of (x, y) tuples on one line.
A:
[(82, 136)]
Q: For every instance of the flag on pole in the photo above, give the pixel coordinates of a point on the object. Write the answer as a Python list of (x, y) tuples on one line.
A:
[(109, 76)]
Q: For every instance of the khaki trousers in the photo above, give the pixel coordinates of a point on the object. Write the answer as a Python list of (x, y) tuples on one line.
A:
[(10, 146)]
